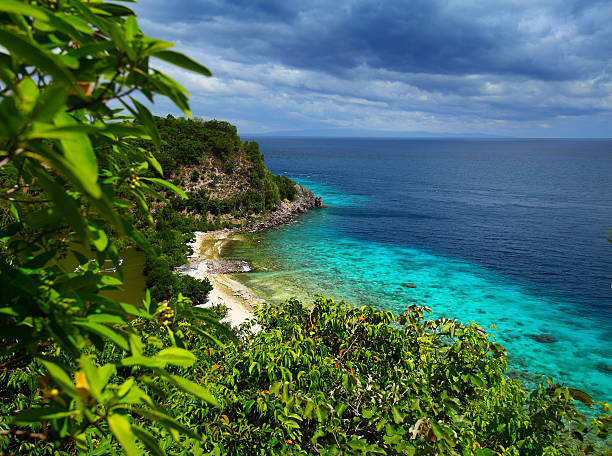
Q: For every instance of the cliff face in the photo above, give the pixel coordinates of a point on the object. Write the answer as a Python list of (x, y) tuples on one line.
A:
[(212, 176)]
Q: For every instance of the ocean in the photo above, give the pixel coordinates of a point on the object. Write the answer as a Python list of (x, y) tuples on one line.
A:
[(511, 234)]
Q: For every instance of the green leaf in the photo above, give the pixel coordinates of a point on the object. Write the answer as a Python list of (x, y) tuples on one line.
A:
[(123, 131), (105, 318), (125, 387), (59, 375), (28, 94), (69, 208), (476, 381), (148, 440), (78, 151), (33, 55), (75, 21), (131, 28), (122, 429), (36, 415), (144, 116), (358, 444), (180, 60), (50, 101), (581, 396), (15, 212), (98, 238), (153, 161), (397, 417), (110, 281), (167, 421), (104, 332), (176, 356), (97, 377), (13, 6), (172, 89), (136, 345), (143, 361), (321, 413), (167, 184), (193, 389)]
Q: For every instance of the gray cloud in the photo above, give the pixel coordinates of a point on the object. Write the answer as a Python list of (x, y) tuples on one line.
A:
[(509, 66)]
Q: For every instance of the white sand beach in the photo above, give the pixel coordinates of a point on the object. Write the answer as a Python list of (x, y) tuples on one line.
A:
[(239, 299)]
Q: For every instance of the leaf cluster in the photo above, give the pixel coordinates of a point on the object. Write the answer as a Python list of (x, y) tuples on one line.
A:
[(71, 181)]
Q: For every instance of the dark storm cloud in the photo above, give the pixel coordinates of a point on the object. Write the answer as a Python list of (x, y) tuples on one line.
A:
[(554, 40), (508, 60)]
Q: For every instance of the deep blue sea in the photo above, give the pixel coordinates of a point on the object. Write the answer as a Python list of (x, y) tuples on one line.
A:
[(511, 233)]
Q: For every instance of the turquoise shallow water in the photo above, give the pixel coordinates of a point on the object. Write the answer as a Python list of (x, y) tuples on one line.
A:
[(314, 256)]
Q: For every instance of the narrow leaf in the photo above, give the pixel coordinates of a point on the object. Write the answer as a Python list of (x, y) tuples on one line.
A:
[(148, 440), (167, 421), (36, 415), (59, 375), (581, 396), (176, 356), (13, 6), (78, 150), (180, 60), (143, 361), (144, 116), (104, 332), (193, 388), (121, 428), (168, 185)]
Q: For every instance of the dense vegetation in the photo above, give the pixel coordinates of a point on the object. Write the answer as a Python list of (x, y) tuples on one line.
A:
[(205, 154), (80, 373)]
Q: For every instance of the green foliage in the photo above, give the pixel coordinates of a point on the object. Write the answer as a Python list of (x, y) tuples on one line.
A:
[(185, 141), (286, 187), (71, 181), (331, 379)]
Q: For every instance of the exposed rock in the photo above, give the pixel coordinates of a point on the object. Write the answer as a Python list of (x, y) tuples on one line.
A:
[(286, 210), (409, 285), (227, 266), (543, 338), (605, 368)]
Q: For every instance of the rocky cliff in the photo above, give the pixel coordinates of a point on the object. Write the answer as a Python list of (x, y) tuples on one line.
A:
[(225, 178)]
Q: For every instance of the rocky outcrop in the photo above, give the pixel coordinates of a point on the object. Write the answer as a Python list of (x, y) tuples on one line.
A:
[(287, 210), (221, 266)]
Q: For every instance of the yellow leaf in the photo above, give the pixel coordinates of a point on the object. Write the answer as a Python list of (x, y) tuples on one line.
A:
[(82, 386)]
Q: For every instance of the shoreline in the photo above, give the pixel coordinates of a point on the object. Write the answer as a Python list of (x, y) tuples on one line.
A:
[(206, 261), (238, 299)]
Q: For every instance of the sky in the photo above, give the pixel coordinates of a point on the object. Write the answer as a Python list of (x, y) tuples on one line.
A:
[(518, 68)]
